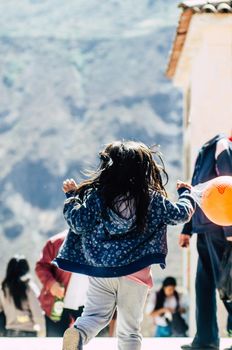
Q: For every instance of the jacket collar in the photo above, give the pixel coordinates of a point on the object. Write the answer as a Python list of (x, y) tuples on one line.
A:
[(214, 140)]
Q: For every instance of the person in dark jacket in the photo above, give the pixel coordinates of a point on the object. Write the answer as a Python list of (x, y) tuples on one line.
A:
[(214, 159), (118, 220)]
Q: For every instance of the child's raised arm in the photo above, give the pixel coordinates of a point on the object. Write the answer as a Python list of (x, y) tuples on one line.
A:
[(81, 215), (173, 213)]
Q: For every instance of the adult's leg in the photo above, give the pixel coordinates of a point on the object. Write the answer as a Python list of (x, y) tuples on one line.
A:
[(131, 299), (228, 307), (57, 329), (99, 308), (217, 245), (68, 318), (211, 247), (54, 329), (206, 317)]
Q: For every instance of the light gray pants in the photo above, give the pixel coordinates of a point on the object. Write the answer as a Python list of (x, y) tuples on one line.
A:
[(103, 295)]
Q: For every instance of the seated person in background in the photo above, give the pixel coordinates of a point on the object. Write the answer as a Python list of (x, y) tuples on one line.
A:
[(162, 305), (19, 303)]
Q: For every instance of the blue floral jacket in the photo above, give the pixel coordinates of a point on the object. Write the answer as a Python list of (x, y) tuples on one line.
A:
[(101, 243)]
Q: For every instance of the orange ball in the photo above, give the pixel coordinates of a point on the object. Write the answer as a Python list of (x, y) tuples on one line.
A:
[(217, 200)]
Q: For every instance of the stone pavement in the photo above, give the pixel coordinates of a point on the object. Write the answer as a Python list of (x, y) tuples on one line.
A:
[(96, 344)]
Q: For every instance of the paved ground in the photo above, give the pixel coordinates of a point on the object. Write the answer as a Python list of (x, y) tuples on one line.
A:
[(96, 344)]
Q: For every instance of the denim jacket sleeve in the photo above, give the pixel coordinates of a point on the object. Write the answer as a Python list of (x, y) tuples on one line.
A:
[(82, 215), (176, 213)]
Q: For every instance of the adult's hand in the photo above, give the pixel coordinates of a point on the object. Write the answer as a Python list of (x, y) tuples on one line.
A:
[(184, 240), (57, 290), (229, 239)]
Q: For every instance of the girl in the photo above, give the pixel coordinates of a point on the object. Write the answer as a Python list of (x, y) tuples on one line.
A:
[(118, 220), (162, 305), (19, 303)]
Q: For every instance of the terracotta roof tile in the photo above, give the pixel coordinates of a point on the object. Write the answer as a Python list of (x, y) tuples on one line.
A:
[(213, 6), (181, 33), (190, 7)]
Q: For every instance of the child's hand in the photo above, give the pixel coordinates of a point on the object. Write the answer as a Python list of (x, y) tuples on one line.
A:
[(69, 185), (181, 184)]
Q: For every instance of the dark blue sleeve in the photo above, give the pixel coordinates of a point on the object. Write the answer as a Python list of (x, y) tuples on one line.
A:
[(172, 213), (187, 228)]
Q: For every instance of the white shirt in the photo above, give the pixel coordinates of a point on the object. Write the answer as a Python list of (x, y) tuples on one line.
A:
[(76, 291)]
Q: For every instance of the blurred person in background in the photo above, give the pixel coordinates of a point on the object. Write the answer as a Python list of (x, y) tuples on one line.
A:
[(112, 324), (19, 302), (63, 293), (162, 305)]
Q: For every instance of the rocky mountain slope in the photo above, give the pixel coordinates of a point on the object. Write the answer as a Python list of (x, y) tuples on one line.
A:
[(73, 76)]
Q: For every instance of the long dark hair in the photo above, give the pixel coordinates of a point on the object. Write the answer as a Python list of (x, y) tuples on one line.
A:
[(127, 172), (160, 295), (12, 283)]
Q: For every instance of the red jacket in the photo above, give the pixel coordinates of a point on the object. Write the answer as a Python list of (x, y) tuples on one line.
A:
[(49, 273)]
